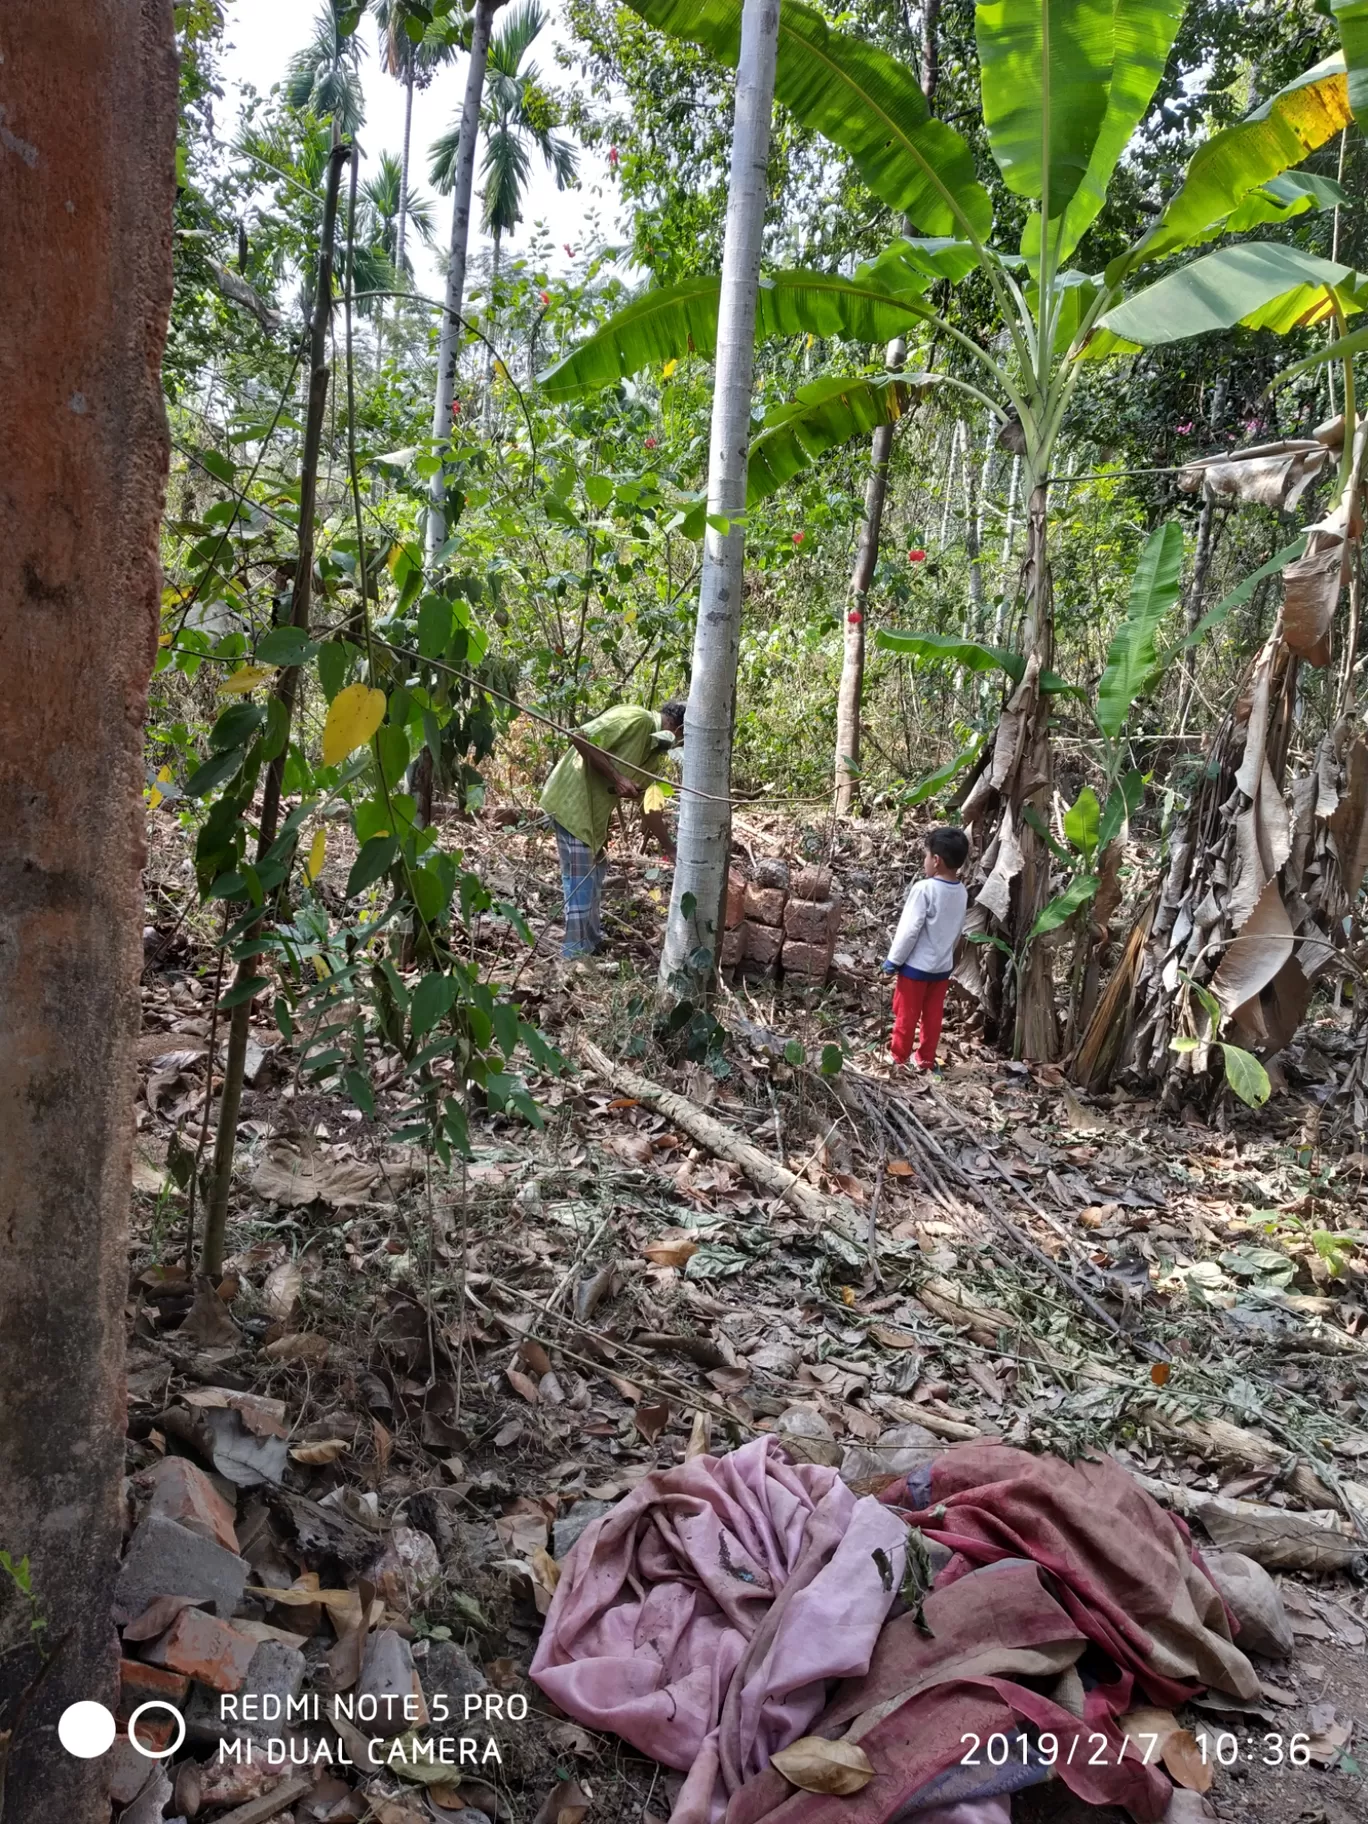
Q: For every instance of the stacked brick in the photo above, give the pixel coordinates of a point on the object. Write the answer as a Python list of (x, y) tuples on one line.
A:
[(781, 921)]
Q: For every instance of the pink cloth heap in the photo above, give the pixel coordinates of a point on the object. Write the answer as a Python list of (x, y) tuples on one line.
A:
[(703, 1617)]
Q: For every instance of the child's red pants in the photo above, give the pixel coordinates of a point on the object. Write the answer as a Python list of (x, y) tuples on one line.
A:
[(914, 1003)]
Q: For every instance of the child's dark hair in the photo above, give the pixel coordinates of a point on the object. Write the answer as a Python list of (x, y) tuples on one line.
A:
[(950, 846)]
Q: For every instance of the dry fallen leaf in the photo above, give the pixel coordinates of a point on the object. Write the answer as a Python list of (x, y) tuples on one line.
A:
[(208, 1323), (894, 1339), (671, 1250), (327, 1450), (521, 1383), (299, 1346), (651, 1419), (815, 1765), (1159, 1373), (899, 1168), (1186, 1763), (566, 1803), (280, 1293), (532, 1356)]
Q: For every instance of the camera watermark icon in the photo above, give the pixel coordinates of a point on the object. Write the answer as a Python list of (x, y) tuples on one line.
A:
[(87, 1730)]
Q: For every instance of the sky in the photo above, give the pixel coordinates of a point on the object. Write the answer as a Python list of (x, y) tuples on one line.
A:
[(258, 42)]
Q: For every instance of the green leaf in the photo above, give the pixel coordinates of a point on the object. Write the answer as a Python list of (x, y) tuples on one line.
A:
[(1242, 158), (1246, 1076), (859, 98), (392, 745), (1341, 349), (677, 320), (832, 1060), (246, 990), (1144, 32), (285, 646), (335, 660), (1062, 908), (1042, 829), (1045, 69), (214, 772), (236, 726), (598, 490), (1352, 19), (937, 781), (1082, 821), (794, 1053), (819, 417), (432, 1000), (376, 857), (1123, 801), (947, 649), (1132, 659), (434, 625), (1258, 284), (1241, 593)]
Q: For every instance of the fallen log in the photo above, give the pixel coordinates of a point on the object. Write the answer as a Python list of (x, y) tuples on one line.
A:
[(1274, 1537), (724, 1144)]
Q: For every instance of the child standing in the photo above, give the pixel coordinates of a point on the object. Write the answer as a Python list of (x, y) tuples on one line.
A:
[(922, 953)]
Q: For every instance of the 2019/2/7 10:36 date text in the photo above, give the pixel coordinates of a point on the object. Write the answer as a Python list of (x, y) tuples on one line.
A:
[(1220, 1749)]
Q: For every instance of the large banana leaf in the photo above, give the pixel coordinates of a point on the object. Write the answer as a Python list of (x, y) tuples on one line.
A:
[(1144, 32), (1352, 16), (969, 655), (815, 420), (1259, 284), (681, 319), (819, 417), (1243, 158), (1045, 71), (912, 265), (1132, 659), (1281, 198), (858, 97)]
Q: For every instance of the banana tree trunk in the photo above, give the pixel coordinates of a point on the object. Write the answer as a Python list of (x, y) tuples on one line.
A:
[(83, 427), (693, 933), (449, 342), (850, 697), (1037, 1025), (230, 1103)]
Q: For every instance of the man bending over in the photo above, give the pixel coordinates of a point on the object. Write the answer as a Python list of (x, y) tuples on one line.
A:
[(607, 760)]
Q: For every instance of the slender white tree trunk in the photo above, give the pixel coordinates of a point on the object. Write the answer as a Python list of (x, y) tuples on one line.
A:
[(488, 405), (448, 346), (404, 179), (705, 811), (850, 697), (950, 482), (976, 486)]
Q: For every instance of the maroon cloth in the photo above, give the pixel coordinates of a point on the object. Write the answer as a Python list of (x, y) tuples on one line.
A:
[(926, 1695), (1115, 1553)]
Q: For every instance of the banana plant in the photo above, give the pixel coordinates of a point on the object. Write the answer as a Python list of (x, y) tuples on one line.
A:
[(1064, 85)]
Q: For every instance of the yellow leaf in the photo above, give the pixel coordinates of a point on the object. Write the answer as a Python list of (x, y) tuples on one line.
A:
[(320, 967), (653, 798), (668, 369), (810, 341), (353, 717), (816, 1765), (318, 849), (245, 678), (326, 1451)]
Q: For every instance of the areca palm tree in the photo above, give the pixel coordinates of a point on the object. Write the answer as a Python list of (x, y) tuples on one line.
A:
[(413, 47), (518, 119), (326, 74), (387, 205)]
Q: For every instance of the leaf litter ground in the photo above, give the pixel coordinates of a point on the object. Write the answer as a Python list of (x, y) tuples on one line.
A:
[(1058, 1273)]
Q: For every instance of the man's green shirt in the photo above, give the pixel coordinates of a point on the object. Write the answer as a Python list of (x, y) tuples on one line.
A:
[(580, 799)]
